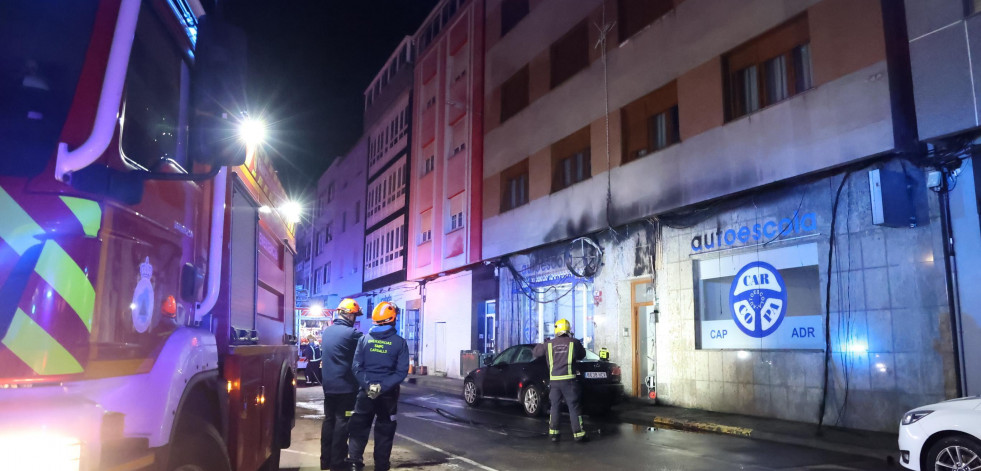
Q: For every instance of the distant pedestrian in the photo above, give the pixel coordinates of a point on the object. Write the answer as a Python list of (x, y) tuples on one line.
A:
[(562, 352), (313, 361), (340, 386), (306, 351), (381, 363)]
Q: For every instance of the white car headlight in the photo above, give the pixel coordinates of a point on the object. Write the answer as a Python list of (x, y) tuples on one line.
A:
[(30, 450), (915, 415)]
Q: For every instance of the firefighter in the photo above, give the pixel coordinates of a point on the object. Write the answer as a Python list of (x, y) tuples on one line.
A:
[(381, 363), (313, 363), (562, 351), (340, 340)]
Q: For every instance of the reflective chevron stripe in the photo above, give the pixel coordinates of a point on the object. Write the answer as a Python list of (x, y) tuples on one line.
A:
[(58, 269), (25, 337), (88, 212), (18, 230), (35, 347)]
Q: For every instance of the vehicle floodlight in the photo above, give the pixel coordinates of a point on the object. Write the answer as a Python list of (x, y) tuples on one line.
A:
[(252, 131), (292, 211)]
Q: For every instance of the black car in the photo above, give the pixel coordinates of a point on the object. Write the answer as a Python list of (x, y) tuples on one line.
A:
[(516, 375)]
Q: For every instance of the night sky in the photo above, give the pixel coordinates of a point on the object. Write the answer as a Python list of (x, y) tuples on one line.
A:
[(309, 63)]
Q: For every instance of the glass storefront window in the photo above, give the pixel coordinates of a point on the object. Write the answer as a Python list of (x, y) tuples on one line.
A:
[(768, 299)]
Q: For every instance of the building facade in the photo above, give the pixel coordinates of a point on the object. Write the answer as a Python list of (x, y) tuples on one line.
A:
[(696, 189), (338, 230), (944, 40), (444, 243), (388, 126)]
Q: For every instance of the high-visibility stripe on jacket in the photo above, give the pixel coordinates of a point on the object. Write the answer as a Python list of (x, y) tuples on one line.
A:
[(561, 353)]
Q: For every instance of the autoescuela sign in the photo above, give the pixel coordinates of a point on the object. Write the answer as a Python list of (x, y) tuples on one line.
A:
[(767, 230), (757, 298)]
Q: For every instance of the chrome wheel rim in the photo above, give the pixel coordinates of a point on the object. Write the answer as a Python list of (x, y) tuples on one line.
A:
[(957, 458), (531, 400), (470, 392)]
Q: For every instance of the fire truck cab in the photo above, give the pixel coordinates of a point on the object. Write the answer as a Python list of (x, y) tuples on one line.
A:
[(146, 291)]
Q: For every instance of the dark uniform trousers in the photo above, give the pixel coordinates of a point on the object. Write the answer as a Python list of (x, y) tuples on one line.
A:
[(569, 390), (338, 409), (381, 410)]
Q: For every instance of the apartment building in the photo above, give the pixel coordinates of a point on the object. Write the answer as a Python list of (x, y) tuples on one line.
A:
[(338, 230), (694, 188), (388, 126), (446, 173)]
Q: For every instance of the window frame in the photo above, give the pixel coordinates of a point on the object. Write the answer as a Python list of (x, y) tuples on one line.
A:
[(519, 9), (746, 83), (642, 113), (517, 87), (573, 46), (576, 149), (155, 34), (518, 173), (640, 19)]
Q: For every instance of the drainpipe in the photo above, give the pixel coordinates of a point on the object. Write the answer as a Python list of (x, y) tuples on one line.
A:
[(950, 272)]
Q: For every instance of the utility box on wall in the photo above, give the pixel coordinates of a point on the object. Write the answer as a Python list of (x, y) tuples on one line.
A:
[(892, 205)]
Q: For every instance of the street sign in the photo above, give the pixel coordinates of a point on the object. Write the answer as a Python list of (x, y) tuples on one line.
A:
[(650, 382)]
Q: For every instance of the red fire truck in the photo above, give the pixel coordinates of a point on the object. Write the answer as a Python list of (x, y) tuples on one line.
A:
[(146, 292)]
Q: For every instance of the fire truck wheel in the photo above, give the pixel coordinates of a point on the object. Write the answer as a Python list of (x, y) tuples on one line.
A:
[(200, 448)]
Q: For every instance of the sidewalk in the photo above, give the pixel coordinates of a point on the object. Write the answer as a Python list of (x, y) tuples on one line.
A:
[(876, 445)]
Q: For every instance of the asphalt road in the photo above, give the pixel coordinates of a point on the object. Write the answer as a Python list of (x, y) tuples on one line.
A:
[(439, 432)]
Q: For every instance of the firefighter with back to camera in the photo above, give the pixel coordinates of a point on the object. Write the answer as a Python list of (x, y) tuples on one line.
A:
[(381, 363), (561, 352), (340, 340)]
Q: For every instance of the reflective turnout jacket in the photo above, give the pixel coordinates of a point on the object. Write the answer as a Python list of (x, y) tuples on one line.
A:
[(561, 352)]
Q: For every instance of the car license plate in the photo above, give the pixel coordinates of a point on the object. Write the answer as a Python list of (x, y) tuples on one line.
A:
[(595, 374)]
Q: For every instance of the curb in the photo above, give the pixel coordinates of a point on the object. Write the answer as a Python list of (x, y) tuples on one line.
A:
[(702, 427), (708, 427)]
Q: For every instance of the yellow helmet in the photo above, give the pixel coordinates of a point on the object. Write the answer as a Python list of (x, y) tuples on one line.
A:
[(384, 313), (349, 306), (562, 327)]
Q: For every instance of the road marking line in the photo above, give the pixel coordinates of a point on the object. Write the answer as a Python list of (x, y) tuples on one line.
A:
[(457, 457)]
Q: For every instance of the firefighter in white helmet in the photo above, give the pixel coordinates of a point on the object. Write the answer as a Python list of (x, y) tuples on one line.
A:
[(562, 352)]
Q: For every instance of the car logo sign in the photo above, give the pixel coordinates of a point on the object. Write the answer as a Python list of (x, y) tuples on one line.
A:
[(758, 299)]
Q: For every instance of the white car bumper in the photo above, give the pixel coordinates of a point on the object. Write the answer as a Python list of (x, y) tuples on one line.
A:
[(911, 439)]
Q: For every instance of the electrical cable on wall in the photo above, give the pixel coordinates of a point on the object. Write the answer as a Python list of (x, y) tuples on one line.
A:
[(827, 300)]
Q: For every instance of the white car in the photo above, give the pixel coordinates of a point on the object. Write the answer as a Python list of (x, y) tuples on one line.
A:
[(942, 436)]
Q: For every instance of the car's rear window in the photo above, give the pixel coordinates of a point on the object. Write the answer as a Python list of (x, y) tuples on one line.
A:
[(591, 356)]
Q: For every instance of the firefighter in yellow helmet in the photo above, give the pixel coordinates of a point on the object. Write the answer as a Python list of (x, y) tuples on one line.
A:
[(381, 363), (340, 340), (562, 352)]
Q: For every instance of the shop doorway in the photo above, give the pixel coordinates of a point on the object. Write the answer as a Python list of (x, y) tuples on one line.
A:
[(490, 326), (643, 326), (410, 331)]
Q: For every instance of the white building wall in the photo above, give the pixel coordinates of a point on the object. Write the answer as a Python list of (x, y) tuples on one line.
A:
[(345, 213), (447, 300)]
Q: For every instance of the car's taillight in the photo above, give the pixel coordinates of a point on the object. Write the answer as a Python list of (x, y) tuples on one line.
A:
[(615, 371)]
